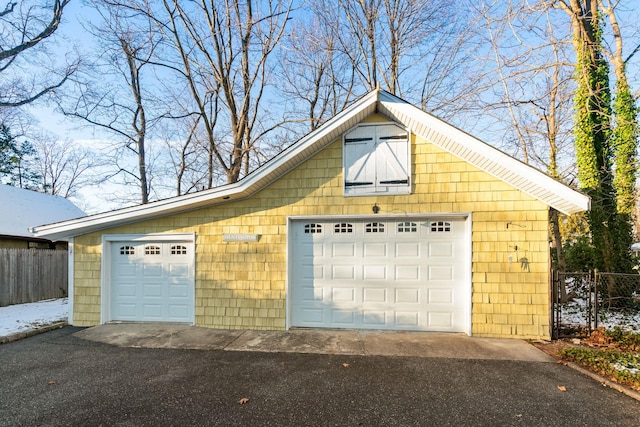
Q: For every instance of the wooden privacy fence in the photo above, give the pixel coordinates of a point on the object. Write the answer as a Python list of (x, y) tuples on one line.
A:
[(29, 275)]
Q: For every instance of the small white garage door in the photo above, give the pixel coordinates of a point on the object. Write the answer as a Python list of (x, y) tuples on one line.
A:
[(152, 281), (408, 274)]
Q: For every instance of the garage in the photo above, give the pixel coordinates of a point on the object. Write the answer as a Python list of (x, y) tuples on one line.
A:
[(150, 281), (380, 273)]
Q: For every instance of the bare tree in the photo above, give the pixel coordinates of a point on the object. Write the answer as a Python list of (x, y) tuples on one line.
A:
[(416, 49), (220, 50), (318, 77), (26, 73), (63, 167), (529, 91), (188, 155), (531, 84), (121, 110)]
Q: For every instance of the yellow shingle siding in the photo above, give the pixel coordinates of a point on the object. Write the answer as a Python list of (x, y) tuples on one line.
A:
[(242, 285)]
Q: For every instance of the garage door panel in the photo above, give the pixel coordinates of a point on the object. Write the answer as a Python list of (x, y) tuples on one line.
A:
[(309, 250), (374, 295), (441, 272), (375, 272), (440, 296), (127, 311), (178, 270), (310, 271), (127, 290), (407, 319), (177, 290), (152, 282), (440, 319), (152, 290), (408, 272), (343, 272), (127, 270), (153, 311), (374, 319), (343, 294), (407, 296), (309, 293), (441, 249), (152, 270), (343, 318), (379, 274), (312, 317), (406, 250), (375, 250), (343, 249)]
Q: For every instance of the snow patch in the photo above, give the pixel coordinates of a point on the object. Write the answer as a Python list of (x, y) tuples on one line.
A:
[(26, 317)]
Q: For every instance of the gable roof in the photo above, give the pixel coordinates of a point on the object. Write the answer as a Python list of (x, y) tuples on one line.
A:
[(466, 147), (22, 209)]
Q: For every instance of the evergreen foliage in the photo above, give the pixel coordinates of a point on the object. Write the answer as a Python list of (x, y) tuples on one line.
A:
[(16, 160)]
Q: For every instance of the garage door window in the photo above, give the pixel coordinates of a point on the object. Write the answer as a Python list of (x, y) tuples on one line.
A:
[(440, 227), (152, 250), (127, 250), (178, 250), (312, 228), (374, 227), (407, 227), (343, 227)]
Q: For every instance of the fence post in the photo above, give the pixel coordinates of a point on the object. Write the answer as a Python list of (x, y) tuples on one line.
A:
[(555, 307)]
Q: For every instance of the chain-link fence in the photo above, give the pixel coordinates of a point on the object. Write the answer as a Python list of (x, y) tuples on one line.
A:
[(584, 301)]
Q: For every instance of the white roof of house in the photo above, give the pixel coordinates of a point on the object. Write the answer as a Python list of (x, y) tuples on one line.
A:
[(21, 209), (495, 162)]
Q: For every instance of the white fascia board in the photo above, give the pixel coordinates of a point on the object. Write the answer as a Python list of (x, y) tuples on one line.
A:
[(269, 172), (482, 155)]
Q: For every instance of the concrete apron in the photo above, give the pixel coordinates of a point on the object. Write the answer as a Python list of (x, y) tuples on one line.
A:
[(326, 341)]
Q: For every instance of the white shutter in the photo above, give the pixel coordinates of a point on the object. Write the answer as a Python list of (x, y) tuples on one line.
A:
[(376, 160), (392, 157), (359, 160)]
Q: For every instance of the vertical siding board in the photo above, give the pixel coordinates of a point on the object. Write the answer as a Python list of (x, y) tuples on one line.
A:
[(30, 275), (5, 288)]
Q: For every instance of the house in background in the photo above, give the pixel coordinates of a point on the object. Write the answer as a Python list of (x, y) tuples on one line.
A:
[(385, 217), (21, 209)]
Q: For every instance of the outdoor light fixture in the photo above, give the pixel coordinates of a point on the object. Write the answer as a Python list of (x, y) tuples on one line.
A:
[(375, 208)]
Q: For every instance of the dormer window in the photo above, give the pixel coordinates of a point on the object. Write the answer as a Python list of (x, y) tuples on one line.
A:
[(376, 160)]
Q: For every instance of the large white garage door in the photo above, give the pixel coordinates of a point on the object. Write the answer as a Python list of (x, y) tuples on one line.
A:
[(406, 274), (152, 281)]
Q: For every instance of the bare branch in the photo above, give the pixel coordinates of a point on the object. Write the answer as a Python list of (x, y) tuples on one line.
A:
[(58, 8)]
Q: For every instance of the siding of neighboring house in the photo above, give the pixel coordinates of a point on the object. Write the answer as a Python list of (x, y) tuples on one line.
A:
[(8, 242), (27, 243), (242, 285)]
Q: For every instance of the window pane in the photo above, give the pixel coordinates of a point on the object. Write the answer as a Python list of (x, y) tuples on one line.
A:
[(312, 228), (440, 227)]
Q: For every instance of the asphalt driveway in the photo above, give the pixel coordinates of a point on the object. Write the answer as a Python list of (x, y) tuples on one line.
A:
[(59, 379)]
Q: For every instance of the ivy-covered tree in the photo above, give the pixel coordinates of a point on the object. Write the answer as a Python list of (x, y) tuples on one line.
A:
[(605, 135)]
